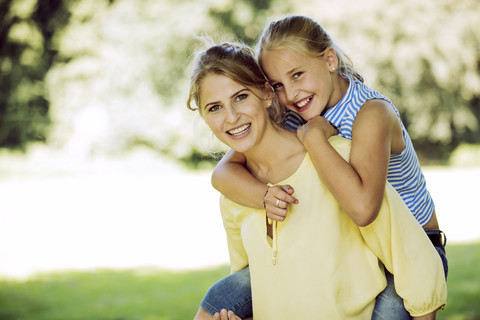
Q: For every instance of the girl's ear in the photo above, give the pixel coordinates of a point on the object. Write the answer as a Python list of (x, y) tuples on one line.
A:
[(331, 59)]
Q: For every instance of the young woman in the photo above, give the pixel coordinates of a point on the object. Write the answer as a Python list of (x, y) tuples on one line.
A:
[(316, 82), (318, 262)]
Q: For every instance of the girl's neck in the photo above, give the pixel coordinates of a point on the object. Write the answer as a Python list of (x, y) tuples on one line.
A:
[(276, 157), (340, 87)]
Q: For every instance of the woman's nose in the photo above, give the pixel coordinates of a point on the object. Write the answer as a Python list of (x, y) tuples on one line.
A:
[(232, 114)]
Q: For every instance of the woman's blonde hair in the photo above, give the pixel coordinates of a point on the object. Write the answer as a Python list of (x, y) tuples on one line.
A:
[(305, 36), (234, 60)]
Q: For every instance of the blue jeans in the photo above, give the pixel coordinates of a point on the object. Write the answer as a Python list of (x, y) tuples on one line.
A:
[(234, 293)]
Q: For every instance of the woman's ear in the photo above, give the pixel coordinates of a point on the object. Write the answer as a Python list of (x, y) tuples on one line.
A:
[(331, 59), (269, 87), (269, 93)]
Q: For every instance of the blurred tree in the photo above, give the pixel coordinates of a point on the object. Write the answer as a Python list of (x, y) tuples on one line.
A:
[(124, 70), (133, 58), (244, 20), (425, 56), (436, 58), (27, 51), (112, 75)]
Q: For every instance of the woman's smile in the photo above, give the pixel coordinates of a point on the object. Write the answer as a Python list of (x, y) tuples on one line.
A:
[(235, 114), (240, 131)]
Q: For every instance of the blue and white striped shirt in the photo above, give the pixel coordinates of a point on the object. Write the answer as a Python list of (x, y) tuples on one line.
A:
[(404, 172)]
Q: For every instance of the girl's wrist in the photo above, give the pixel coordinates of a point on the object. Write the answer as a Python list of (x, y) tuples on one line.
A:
[(313, 140)]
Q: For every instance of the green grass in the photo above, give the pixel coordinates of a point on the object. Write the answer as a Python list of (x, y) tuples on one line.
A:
[(107, 295), (463, 302), (164, 295)]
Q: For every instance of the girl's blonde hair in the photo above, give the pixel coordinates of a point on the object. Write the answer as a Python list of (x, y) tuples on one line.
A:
[(236, 61), (305, 36)]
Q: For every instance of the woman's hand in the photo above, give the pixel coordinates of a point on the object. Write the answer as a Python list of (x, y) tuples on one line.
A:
[(315, 127), (224, 315), (276, 201)]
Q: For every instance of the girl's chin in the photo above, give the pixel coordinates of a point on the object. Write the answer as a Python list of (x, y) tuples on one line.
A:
[(308, 115)]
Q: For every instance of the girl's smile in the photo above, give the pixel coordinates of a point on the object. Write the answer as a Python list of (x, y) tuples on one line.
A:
[(305, 84), (303, 104)]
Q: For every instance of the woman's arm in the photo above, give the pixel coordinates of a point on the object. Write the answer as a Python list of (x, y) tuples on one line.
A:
[(236, 250), (358, 185), (231, 178), (398, 240)]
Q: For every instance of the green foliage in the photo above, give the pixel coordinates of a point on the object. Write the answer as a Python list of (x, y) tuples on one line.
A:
[(27, 51), (161, 295), (200, 160)]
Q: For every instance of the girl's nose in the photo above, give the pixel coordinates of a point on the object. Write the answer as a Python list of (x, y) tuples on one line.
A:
[(291, 93)]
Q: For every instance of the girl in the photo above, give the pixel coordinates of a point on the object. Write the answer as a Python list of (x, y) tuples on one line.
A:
[(316, 82), (319, 260)]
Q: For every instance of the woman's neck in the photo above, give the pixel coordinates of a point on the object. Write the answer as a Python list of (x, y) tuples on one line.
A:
[(276, 157)]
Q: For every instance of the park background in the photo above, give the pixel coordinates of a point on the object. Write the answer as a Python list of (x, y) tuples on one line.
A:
[(107, 211)]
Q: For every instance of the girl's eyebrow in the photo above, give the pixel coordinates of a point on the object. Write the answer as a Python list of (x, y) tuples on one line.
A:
[(217, 102), (292, 71), (288, 73)]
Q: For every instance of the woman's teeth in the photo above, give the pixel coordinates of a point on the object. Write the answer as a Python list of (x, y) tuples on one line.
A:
[(240, 130)]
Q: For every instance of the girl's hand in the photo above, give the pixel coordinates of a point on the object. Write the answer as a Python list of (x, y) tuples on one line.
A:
[(276, 201), (224, 315), (314, 127)]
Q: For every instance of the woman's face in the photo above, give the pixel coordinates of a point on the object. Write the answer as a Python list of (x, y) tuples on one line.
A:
[(302, 83), (235, 114)]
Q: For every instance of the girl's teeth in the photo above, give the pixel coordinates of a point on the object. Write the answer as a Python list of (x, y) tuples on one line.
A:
[(304, 103), (239, 130)]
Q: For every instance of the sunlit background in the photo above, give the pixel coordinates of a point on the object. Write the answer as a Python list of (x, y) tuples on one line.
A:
[(103, 166)]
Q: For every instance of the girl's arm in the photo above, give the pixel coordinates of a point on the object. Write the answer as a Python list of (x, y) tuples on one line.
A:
[(231, 178), (358, 185)]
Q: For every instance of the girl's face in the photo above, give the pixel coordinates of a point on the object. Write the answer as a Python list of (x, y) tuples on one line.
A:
[(304, 84), (234, 113)]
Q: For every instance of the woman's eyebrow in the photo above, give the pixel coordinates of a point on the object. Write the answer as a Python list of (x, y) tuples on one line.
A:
[(217, 102)]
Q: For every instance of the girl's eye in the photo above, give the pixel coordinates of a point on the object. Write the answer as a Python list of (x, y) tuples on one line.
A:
[(277, 86), (241, 97), (297, 75)]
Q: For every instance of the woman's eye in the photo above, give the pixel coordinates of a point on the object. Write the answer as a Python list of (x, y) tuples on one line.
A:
[(241, 97), (277, 86), (297, 75)]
